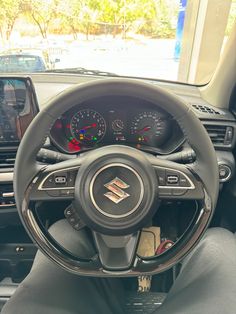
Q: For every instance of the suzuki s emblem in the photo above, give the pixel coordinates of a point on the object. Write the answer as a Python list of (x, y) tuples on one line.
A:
[(116, 187)]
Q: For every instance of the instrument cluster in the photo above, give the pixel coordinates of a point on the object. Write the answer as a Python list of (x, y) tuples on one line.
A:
[(126, 122)]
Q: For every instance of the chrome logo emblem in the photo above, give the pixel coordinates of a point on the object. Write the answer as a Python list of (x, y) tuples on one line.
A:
[(116, 187)]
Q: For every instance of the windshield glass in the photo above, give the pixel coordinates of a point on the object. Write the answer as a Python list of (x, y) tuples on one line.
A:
[(176, 40)]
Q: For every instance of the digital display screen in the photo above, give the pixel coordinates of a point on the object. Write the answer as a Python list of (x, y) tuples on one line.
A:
[(16, 110)]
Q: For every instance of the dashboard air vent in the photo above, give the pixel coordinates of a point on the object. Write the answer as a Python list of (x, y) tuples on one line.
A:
[(221, 135), (7, 159), (205, 109)]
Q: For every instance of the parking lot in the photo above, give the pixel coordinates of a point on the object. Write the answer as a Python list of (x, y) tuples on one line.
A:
[(148, 58)]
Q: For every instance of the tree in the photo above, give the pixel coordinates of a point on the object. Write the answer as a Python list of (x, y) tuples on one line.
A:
[(125, 15), (68, 12), (9, 12), (42, 12), (232, 18), (111, 13), (166, 12), (79, 15), (137, 13), (89, 15)]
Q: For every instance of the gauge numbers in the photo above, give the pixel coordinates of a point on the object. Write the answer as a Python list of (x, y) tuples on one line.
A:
[(88, 127), (148, 128)]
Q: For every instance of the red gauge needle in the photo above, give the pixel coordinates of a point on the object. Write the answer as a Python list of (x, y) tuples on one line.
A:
[(87, 127), (145, 129), (88, 138)]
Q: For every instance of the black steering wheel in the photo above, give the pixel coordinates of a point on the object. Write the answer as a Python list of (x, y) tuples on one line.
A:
[(116, 219)]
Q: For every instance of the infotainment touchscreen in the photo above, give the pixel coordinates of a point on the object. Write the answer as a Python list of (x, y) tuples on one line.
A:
[(18, 106)]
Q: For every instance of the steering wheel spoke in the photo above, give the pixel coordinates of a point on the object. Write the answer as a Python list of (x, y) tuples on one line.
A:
[(177, 181), (55, 182), (116, 253)]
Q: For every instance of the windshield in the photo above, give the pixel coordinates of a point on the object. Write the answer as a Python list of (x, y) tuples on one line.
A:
[(176, 40)]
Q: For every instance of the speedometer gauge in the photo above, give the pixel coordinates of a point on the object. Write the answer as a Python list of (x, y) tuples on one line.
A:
[(149, 128), (88, 127)]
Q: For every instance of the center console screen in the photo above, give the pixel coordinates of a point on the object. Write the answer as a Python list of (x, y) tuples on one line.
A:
[(18, 106)]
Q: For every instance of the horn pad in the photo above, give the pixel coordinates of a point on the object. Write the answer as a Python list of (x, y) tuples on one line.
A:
[(116, 190)]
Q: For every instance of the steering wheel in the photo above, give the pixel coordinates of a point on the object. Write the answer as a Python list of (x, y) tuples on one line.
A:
[(116, 189)]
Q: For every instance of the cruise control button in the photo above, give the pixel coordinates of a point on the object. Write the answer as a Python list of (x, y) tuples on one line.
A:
[(60, 178), (71, 178), (49, 183), (77, 226), (165, 192), (67, 192), (183, 181), (172, 177), (72, 220), (179, 192), (161, 176), (69, 212), (53, 193)]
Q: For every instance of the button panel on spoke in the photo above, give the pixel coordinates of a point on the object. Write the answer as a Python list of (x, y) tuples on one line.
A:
[(73, 218), (63, 180), (173, 183)]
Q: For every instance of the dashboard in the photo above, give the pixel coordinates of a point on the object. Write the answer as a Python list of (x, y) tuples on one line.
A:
[(116, 120), (106, 121)]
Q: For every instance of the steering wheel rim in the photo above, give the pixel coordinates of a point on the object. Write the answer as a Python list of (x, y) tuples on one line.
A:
[(204, 172)]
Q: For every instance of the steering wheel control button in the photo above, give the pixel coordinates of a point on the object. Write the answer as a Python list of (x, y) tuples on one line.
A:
[(73, 218), (67, 192), (161, 175), (69, 211), (53, 193), (165, 191), (178, 192), (172, 179), (61, 179), (49, 182), (173, 184), (116, 190), (183, 181), (71, 178)]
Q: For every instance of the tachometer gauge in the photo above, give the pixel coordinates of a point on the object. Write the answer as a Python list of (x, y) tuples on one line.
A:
[(88, 127), (149, 128)]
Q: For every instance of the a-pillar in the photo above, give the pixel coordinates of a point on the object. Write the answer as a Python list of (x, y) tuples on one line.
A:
[(203, 36)]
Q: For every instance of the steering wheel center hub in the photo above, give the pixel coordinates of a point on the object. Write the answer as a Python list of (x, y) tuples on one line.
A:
[(119, 190), (116, 190)]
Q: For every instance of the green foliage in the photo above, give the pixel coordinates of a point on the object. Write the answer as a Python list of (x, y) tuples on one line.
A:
[(166, 18), (232, 18), (42, 13), (68, 11), (156, 18), (9, 11)]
